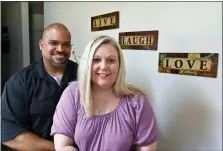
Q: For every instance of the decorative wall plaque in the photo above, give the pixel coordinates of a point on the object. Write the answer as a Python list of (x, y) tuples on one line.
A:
[(105, 21), (141, 40), (194, 64)]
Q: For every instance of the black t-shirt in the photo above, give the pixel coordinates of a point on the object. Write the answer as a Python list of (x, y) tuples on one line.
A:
[(29, 100)]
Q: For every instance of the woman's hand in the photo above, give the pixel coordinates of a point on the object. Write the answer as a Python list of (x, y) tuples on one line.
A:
[(151, 147), (63, 143)]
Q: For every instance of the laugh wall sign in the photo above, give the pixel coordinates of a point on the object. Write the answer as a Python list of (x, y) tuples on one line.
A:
[(194, 64), (140, 40)]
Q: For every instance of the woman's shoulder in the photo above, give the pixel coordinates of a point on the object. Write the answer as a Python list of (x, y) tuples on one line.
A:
[(136, 105), (133, 105), (73, 86), (137, 100), (71, 92)]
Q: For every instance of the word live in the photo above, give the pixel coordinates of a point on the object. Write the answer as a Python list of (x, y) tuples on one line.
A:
[(102, 22)]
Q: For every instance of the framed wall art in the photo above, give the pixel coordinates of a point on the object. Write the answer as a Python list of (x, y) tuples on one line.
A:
[(105, 21), (194, 64), (140, 40)]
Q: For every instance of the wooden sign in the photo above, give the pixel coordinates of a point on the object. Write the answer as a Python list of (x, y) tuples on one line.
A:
[(141, 40), (105, 21), (195, 64)]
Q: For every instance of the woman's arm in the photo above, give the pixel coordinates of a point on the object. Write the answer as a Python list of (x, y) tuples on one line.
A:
[(146, 131), (64, 143), (151, 147)]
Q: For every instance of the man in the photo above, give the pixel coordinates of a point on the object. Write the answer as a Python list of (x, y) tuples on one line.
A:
[(30, 96)]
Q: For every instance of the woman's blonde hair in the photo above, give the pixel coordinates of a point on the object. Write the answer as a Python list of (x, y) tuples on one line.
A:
[(121, 88)]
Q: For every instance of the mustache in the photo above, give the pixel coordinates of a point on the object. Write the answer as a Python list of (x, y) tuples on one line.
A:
[(59, 53)]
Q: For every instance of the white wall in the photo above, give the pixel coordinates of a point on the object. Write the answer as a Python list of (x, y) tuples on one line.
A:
[(188, 109)]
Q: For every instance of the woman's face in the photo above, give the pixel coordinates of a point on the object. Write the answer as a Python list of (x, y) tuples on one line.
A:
[(105, 66)]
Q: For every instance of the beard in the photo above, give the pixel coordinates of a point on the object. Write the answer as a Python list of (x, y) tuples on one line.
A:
[(56, 60), (59, 64)]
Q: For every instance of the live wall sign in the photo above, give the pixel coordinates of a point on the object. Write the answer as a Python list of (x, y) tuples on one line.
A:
[(195, 64), (105, 21)]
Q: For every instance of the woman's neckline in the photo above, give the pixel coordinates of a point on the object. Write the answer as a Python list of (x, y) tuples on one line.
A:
[(112, 112)]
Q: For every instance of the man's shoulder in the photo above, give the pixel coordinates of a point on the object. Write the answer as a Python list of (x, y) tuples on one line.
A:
[(72, 64), (72, 69), (25, 72)]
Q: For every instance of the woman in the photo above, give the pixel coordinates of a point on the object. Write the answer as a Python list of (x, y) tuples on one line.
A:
[(100, 112)]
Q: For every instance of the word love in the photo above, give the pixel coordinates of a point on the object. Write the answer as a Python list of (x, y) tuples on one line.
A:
[(187, 64)]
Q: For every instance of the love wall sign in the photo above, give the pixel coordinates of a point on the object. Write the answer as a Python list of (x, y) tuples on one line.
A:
[(105, 21), (194, 64)]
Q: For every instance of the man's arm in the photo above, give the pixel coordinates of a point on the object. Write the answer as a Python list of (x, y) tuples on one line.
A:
[(15, 118), (27, 141)]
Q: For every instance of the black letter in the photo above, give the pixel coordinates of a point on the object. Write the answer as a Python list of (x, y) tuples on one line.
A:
[(105, 20), (129, 41), (141, 40), (95, 23), (111, 20), (189, 63), (123, 40), (135, 40), (149, 40), (181, 63), (100, 23), (167, 63), (202, 65)]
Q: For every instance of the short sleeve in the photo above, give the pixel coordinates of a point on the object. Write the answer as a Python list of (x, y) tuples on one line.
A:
[(146, 127), (14, 110), (64, 119)]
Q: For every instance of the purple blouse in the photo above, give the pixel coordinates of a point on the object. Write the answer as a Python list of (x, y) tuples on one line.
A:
[(131, 123)]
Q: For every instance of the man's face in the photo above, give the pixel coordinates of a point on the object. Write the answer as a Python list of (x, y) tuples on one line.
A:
[(56, 46)]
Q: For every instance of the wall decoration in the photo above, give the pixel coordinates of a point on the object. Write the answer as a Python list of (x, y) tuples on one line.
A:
[(76, 58), (105, 21), (194, 64), (140, 40)]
